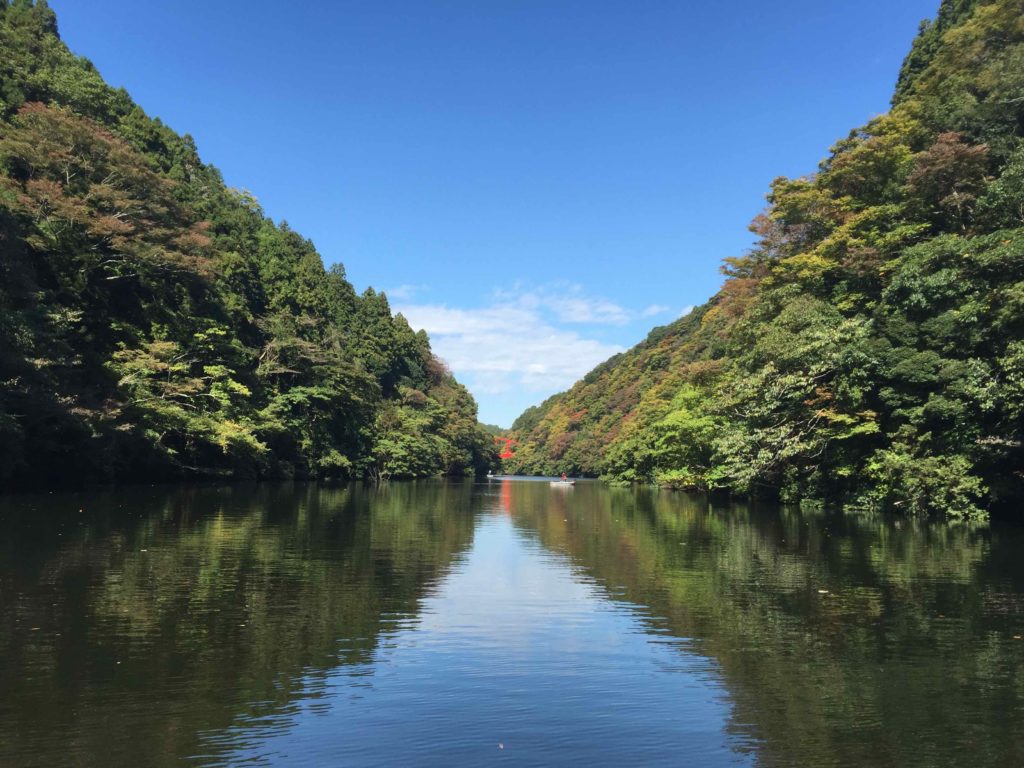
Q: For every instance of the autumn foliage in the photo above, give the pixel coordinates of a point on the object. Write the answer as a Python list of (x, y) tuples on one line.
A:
[(156, 324), (869, 350)]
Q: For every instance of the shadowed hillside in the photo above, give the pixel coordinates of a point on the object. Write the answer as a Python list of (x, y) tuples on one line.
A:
[(155, 323)]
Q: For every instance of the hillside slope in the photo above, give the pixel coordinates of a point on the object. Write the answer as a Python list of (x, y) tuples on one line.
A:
[(156, 324), (870, 348)]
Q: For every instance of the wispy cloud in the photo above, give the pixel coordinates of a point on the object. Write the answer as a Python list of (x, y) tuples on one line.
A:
[(654, 309), (512, 345), (567, 303), (405, 291), (579, 309), (503, 348), (526, 343)]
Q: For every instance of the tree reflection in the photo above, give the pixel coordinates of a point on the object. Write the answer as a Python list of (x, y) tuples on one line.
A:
[(856, 640), (121, 638), (137, 630)]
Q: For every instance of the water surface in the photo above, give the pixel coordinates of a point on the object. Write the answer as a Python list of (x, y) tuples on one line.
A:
[(509, 621)]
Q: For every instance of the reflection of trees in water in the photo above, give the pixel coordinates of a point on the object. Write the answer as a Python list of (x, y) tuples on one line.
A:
[(908, 659), (243, 594), (178, 611)]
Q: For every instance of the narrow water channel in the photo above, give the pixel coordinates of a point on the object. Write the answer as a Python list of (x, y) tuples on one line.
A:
[(503, 621)]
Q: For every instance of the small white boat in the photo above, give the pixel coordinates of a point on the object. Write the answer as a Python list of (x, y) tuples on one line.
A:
[(563, 483)]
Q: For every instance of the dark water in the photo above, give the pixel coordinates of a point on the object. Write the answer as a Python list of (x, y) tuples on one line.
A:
[(503, 622)]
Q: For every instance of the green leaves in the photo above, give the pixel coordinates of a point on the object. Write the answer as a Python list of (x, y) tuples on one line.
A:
[(155, 323), (868, 348), (916, 483)]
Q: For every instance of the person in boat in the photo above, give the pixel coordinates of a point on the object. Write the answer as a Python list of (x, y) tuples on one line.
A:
[(564, 478)]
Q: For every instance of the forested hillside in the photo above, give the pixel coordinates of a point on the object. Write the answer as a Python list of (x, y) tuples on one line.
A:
[(870, 349), (155, 323)]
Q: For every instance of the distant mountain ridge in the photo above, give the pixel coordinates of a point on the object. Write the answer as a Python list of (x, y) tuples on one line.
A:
[(869, 351)]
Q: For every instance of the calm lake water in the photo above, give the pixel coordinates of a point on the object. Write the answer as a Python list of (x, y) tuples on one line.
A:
[(503, 622)]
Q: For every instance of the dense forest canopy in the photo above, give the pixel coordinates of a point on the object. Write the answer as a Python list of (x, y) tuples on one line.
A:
[(870, 349), (155, 323)]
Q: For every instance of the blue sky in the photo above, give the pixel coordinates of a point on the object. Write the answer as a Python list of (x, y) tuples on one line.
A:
[(538, 184)]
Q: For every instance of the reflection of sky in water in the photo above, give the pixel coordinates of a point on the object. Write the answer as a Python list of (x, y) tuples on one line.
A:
[(427, 622), (514, 648)]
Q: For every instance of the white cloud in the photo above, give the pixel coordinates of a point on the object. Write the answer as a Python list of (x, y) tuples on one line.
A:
[(655, 309), (527, 343), (578, 309), (404, 292), (567, 302), (508, 346)]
